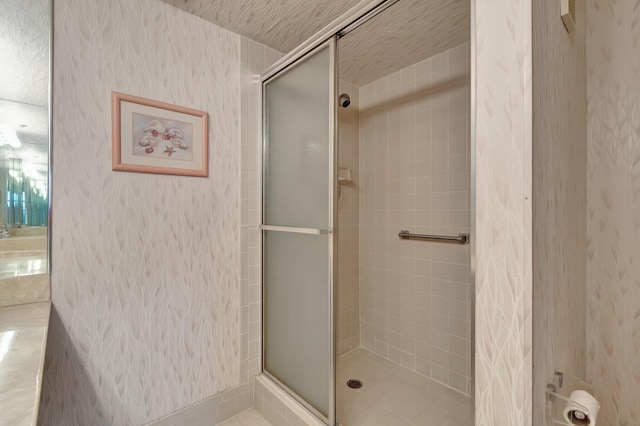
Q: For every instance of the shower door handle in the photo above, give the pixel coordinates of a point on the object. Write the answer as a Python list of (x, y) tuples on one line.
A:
[(310, 231)]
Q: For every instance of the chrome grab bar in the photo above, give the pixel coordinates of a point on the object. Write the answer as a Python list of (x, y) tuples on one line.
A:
[(460, 239), (311, 231)]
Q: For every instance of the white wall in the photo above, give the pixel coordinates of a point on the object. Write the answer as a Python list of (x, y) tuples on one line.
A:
[(146, 268), (415, 296), (503, 237), (559, 199), (613, 209)]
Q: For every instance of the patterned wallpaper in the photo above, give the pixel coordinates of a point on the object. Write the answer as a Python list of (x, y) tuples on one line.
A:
[(559, 194), (146, 268), (613, 220), (503, 212)]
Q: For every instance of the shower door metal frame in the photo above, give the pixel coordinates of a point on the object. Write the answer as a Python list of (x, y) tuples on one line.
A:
[(338, 28), (332, 44), (341, 26), (329, 35), (472, 197)]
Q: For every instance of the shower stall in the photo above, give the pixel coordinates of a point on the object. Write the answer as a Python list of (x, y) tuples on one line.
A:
[(366, 218)]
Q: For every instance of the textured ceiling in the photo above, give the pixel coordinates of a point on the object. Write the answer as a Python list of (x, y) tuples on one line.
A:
[(407, 32), (279, 24)]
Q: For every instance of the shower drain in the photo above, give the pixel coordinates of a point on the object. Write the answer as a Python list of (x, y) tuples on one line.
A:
[(354, 383)]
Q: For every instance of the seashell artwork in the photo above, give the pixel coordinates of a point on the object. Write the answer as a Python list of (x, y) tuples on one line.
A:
[(155, 137)]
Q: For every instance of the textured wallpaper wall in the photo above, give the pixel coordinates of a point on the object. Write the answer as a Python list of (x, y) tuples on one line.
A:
[(503, 212), (146, 268), (559, 199), (613, 220)]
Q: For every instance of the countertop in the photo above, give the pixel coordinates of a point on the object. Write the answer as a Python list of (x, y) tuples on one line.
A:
[(23, 339)]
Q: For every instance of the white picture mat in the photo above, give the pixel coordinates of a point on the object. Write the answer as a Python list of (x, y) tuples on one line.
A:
[(129, 140)]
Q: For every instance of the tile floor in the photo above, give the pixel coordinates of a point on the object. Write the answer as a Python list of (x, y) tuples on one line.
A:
[(247, 418), (393, 395)]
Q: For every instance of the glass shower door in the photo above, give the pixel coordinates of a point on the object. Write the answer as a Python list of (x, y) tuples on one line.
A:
[(297, 229)]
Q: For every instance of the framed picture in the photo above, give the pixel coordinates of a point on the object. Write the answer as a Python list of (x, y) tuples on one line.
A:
[(156, 137)]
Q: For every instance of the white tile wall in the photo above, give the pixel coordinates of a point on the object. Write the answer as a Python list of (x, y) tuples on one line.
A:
[(250, 417), (415, 296), (348, 330), (278, 407), (255, 58)]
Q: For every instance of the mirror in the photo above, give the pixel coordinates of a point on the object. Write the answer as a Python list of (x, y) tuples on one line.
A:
[(25, 28)]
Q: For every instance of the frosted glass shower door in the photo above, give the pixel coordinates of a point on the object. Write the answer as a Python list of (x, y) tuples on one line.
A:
[(298, 212)]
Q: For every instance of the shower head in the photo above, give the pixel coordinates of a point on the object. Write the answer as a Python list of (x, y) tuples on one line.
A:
[(344, 100)]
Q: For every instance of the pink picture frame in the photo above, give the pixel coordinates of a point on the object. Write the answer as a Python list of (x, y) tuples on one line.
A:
[(156, 137)]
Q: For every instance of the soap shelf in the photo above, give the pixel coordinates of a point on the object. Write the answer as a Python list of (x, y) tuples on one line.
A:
[(344, 178), (558, 393), (344, 175)]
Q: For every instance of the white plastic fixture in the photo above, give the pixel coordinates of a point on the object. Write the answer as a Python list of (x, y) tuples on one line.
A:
[(568, 14), (344, 175)]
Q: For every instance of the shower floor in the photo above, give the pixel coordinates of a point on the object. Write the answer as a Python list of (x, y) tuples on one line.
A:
[(393, 395)]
